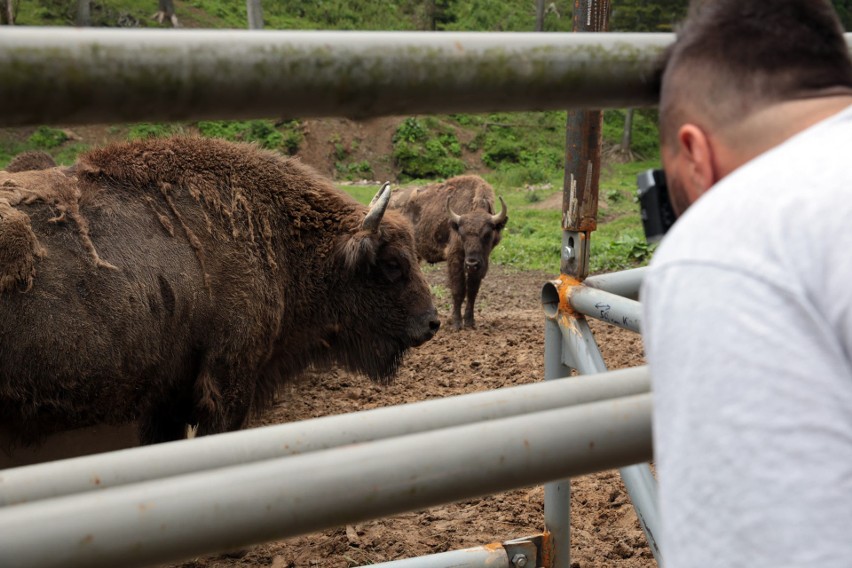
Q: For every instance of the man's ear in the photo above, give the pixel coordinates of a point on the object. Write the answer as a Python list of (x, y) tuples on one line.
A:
[(699, 173)]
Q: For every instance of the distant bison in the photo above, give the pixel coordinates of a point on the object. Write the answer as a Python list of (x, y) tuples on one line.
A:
[(27, 161), (455, 221), (180, 281)]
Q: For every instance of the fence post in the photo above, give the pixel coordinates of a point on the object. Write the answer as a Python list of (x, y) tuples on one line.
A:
[(255, 14), (579, 219)]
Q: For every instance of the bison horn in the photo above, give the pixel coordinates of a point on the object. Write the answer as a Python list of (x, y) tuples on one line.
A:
[(454, 217), (377, 209), (501, 216)]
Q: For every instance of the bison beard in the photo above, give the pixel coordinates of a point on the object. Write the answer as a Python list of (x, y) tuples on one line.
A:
[(181, 281)]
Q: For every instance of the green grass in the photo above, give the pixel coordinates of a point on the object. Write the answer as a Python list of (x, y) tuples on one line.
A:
[(51, 140)]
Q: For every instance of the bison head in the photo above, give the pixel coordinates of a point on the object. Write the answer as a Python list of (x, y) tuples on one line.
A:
[(385, 306), (478, 232)]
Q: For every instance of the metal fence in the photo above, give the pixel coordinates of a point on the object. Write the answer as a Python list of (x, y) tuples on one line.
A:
[(241, 488)]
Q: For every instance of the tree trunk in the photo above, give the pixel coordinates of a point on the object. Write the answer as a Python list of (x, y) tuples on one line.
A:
[(432, 14), (167, 12), (539, 15), (627, 135), (84, 13), (7, 12), (255, 14)]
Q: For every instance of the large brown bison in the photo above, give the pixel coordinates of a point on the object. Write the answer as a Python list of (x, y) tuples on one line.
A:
[(180, 281), (455, 221)]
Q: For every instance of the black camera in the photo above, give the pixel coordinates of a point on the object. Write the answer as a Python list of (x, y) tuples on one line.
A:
[(657, 213)]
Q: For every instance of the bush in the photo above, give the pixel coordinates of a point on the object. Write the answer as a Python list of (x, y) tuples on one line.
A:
[(145, 130), (263, 132), (45, 138), (425, 149)]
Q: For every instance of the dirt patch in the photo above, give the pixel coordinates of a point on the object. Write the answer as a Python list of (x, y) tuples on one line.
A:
[(332, 144), (505, 350), (332, 141)]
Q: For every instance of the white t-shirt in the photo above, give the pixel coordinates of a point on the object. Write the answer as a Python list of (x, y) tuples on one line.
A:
[(748, 331)]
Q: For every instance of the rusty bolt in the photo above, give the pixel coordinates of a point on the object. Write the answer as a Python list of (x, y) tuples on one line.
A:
[(519, 560)]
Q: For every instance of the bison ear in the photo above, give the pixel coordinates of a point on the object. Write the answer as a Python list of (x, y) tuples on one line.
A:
[(357, 250)]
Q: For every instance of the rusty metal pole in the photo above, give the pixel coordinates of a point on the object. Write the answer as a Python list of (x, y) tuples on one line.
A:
[(582, 160), (579, 219)]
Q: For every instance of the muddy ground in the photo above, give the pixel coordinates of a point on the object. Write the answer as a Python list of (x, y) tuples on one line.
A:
[(505, 350)]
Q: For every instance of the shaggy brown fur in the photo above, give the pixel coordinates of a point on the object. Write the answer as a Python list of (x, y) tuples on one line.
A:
[(180, 281), (465, 246), (28, 161), (18, 249)]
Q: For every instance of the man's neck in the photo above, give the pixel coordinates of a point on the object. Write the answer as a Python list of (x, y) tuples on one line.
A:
[(772, 125)]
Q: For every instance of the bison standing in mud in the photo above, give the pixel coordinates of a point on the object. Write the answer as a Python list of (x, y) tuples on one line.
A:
[(455, 221), (180, 281)]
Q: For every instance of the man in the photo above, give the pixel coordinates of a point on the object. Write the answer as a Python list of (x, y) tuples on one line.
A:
[(748, 301)]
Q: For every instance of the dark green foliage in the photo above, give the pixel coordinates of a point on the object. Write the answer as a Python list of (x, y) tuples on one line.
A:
[(642, 16), (46, 138), (844, 12), (148, 130), (103, 13), (646, 134), (627, 251), (526, 148), (67, 153), (426, 148), (354, 170), (504, 15), (346, 169), (262, 132), (291, 130)]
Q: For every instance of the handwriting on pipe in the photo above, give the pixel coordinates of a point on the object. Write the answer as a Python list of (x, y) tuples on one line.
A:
[(604, 315)]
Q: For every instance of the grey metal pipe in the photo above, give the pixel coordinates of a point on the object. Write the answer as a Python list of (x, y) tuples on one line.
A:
[(224, 509), (611, 308), (101, 471), (624, 283), (101, 75), (488, 556), (557, 494), (580, 351)]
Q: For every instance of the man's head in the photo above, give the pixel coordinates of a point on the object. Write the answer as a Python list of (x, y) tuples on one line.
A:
[(742, 77)]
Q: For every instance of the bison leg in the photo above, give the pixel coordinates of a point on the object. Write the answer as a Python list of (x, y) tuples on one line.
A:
[(222, 400), (456, 280), (166, 425), (473, 283)]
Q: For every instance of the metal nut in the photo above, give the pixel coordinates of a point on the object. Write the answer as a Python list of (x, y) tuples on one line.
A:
[(519, 560)]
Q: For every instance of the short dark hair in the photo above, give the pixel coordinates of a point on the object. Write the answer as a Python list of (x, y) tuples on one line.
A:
[(734, 56)]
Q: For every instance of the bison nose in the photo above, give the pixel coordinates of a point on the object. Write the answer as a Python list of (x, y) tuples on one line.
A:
[(432, 324), (471, 264)]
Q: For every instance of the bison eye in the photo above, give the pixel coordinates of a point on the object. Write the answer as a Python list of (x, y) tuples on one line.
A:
[(391, 270)]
